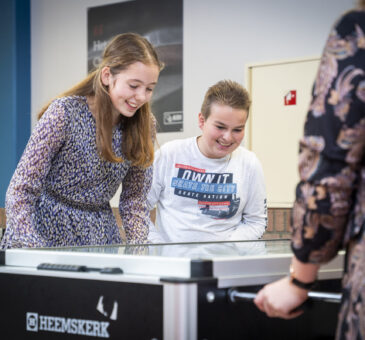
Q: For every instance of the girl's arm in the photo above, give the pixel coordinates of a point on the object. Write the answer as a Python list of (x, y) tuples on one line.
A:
[(133, 204), (28, 180)]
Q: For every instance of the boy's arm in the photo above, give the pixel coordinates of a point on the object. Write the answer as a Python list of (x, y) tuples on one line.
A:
[(254, 215)]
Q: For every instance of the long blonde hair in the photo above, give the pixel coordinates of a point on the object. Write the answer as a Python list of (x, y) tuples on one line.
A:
[(139, 130)]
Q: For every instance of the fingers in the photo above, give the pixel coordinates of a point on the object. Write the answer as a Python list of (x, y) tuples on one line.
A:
[(293, 315), (268, 303), (263, 304), (272, 312), (258, 301)]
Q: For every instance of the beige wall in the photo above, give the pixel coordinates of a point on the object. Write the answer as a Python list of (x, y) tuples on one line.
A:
[(220, 38)]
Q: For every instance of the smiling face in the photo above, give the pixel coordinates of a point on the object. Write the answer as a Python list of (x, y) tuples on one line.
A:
[(223, 130), (131, 88)]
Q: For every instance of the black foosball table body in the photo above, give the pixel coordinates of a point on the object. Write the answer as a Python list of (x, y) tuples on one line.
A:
[(154, 292)]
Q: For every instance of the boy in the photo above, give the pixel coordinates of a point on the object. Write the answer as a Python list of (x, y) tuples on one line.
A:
[(209, 188)]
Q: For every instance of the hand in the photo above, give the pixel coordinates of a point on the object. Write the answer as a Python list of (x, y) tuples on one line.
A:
[(280, 298)]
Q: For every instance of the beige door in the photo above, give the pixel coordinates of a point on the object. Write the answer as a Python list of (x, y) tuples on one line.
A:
[(280, 99)]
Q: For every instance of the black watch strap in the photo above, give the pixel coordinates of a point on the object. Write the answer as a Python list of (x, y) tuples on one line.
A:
[(303, 285)]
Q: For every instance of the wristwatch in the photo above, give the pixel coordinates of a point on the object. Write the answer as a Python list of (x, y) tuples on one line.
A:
[(298, 283)]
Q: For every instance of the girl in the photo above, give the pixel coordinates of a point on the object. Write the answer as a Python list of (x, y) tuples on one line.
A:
[(91, 139)]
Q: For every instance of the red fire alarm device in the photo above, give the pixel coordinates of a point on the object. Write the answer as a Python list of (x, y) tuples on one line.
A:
[(291, 98)]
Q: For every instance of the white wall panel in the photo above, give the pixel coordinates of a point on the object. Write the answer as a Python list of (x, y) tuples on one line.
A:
[(275, 128)]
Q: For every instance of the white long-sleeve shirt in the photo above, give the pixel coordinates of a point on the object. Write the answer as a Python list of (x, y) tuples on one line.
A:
[(204, 199)]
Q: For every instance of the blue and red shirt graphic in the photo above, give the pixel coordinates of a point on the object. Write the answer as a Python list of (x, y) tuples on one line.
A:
[(215, 192)]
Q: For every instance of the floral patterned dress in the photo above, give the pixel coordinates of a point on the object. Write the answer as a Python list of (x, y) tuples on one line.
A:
[(59, 194), (329, 211)]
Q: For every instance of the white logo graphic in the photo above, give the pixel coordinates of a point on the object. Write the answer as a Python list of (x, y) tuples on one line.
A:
[(172, 117), (36, 323), (32, 322), (100, 309)]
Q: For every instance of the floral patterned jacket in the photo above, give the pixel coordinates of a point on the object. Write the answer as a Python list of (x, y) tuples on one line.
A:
[(330, 198)]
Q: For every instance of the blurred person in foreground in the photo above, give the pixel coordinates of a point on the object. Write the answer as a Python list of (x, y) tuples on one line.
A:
[(329, 211)]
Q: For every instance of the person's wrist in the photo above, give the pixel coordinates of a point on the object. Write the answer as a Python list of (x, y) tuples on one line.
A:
[(306, 285)]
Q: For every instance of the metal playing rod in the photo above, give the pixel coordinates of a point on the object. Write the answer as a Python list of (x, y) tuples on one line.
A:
[(235, 296)]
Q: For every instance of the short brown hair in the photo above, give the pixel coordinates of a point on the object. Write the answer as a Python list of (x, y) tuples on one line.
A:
[(226, 92)]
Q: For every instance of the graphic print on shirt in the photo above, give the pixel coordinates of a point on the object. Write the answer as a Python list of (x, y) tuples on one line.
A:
[(215, 192)]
